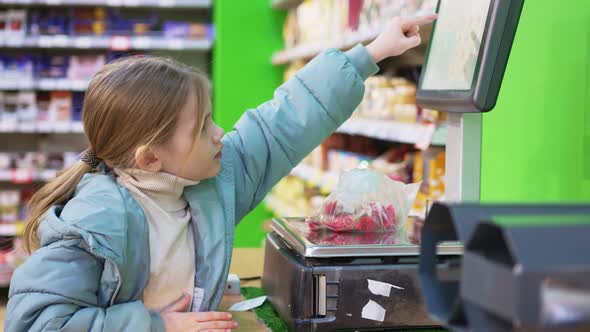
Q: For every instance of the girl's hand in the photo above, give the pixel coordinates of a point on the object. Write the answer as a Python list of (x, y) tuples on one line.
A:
[(176, 319), (400, 34)]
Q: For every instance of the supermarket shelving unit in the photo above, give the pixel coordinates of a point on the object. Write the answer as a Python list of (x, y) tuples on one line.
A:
[(117, 43), (174, 4), (386, 130), (54, 137)]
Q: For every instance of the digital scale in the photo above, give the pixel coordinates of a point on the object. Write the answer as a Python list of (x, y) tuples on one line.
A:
[(478, 267), (322, 281)]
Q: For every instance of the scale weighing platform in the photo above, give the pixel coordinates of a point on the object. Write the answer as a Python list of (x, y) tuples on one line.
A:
[(325, 281)]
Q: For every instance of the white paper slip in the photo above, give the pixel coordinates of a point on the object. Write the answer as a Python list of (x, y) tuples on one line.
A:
[(381, 288), (198, 295), (248, 305), (373, 311)]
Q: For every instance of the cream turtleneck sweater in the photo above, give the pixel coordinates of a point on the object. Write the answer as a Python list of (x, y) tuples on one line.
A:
[(172, 254)]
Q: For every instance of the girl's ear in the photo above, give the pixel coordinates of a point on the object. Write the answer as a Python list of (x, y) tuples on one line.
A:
[(147, 160)]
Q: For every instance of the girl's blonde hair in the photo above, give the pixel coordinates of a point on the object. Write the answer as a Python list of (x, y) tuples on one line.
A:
[(130, 103)]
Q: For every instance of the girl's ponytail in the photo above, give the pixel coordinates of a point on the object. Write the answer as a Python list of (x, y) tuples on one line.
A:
[(56, 191)]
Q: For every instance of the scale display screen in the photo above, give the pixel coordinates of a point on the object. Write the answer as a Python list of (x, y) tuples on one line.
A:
[(467, 54), (454, 49)]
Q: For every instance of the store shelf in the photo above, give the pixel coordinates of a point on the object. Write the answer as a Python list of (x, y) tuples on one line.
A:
[(42, 128), (285, 4), (310, 50), (388, 130), (116, 43), (23, 176), (326, 181), (45, 84), (115, 3), (12, 229), (414, 57)]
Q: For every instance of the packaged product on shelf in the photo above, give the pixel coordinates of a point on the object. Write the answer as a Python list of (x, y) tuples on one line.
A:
[(407, 113), (317, 21), (5, 161), (431, 116), (176, 29), (291, 198), (88, 21), (200, 31), (436, 171), (43, 102), (418, 176), (389, 98), (369, 15), (375, 11), (99, 24), (60, 106), (429, 167), (340, 151), (17, 69), (340, 20), (55, 66), (10, 107), (37, 161), (49, 21), (131, 23), (9, 205), (16, 23), (415, 226), (405, 92), (309, 13), (55, 160), (83, 67), (367, 201), (77, 106), (2, 23), (394, 163), (354, 13), (25, 160), (27, 107), (344, 160)]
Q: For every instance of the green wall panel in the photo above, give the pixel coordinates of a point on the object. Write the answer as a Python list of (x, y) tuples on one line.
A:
[(536, 142), (246, 36)]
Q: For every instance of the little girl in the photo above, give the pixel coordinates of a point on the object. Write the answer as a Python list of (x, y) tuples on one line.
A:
[(138, 235)]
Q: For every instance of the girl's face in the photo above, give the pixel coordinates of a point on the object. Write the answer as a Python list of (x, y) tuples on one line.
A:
[(190, 158)]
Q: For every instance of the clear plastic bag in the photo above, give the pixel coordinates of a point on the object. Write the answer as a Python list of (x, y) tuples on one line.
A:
[(366, 201)]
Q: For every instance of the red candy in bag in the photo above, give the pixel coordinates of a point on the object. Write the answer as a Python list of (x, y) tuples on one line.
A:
[(366, 201)]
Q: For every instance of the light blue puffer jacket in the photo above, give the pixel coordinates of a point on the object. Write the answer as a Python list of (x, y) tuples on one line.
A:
[(93, 264)]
